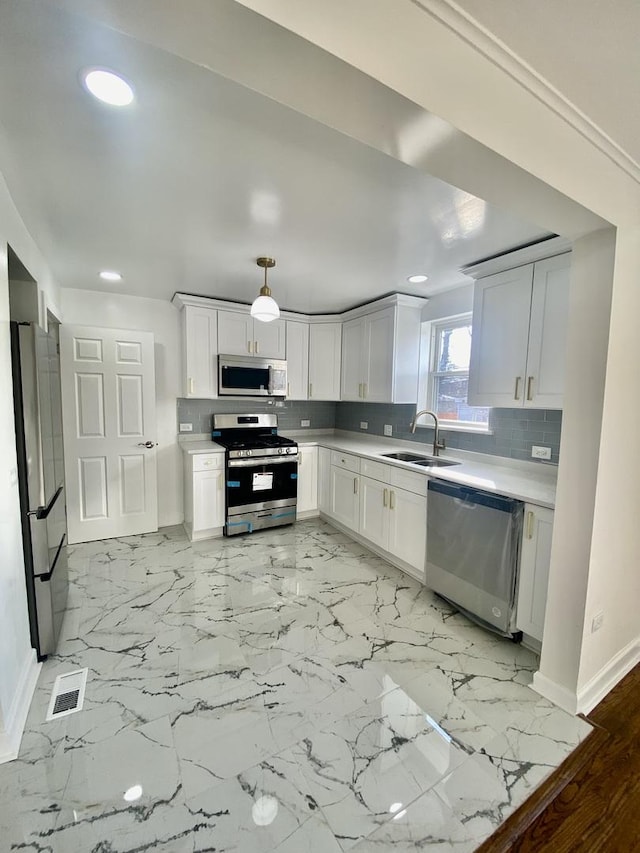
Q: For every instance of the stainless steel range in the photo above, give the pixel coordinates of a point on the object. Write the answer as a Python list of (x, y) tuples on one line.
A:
[(261, 472)]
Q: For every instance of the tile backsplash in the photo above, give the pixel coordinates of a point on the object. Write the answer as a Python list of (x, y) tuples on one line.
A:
[(290, 412), (514, 431)]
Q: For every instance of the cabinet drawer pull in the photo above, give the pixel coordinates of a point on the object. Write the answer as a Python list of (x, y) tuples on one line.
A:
[(384, 497), (529, 384), (530, 517), (255, 347), (190, 385), (360, 389), (310, 390), (355, 485), (392, 500), (516, 393), (288, 391), (249, 346), (364, 390)]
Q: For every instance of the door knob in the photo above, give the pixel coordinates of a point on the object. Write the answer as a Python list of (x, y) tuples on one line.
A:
[(148, 444)]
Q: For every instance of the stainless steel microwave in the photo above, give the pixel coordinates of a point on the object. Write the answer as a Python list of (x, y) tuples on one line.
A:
[(239, 376)]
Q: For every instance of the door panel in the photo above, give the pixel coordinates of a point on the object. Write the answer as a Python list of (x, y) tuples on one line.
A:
[(408, 529), (374, 511), (235, 333), (378, 357), (269, 339), (108, 397), (353, 333)]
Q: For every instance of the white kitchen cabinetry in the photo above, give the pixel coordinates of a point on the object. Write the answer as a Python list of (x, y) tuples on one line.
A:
[(374, 511), (344, 489), (324, 480), (381, 353), (325, 346), (240, 334), (408, 528), (519, 336), (535, 557), (204, 495), (307, 481), (297, 360), (200, 351)]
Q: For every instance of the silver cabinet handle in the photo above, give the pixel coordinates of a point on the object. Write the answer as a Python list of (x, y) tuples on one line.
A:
[(530, 517), (255, 347), (529, 384), (516, 393), (148, 444), (384, 497), (190, 385), (249, 346), (355, 485), (392, 500)]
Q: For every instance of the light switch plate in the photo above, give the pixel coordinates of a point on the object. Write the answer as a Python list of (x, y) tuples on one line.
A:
[(186, 427), (388, 429), (364, 425), (540, 452), (305, 422)]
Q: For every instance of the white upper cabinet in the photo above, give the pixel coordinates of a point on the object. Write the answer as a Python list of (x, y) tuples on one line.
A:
[(240, 334), (381, 353), (324, 361), (200, 351), (297, 360), (519, 336)]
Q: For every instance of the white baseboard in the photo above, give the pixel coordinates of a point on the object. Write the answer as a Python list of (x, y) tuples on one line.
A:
[(611, 673), (11, 734), (556, 693), (587, 697)]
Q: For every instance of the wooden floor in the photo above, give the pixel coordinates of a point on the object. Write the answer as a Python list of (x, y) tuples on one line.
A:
[(591, 804)]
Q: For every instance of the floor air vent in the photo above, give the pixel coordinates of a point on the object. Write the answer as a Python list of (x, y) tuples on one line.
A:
[(68, 694)]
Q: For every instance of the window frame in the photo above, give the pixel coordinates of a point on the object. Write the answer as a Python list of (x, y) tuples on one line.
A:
[(428, 374)]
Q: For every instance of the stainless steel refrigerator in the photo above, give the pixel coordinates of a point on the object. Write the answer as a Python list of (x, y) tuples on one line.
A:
[(38, 417)]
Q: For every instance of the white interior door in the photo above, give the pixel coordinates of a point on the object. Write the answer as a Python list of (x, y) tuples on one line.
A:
[(108, 397)]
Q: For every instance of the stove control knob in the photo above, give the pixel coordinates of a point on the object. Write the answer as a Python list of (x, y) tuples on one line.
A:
[(281, 450), (247, 453), (289, 450)]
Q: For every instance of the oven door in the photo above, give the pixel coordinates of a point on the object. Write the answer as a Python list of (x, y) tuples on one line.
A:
[(254, 485)]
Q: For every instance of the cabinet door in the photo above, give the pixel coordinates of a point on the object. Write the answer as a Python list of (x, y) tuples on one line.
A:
[(307, 479), (345, 498), (325, 346), (200, 332), (352, 373), (297, 360), (208, 500), (374, 511), (534, 570), (324, 479), (269, 339), (497, 368), (235, 333), (378, 356), (408, 529), (548, 333)]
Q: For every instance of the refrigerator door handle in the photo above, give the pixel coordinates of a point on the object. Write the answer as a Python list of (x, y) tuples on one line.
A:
[(43, 511)]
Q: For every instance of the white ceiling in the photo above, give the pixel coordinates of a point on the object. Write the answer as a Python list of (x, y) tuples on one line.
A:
[(587, 49), (186, 188)]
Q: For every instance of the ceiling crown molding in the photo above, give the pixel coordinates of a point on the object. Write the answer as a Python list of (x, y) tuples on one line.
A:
[(496, 51)]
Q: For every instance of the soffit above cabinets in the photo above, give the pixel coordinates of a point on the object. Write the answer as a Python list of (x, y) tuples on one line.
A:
[(183, 190)]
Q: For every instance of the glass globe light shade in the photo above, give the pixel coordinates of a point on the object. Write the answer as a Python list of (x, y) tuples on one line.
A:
[(265, 309)]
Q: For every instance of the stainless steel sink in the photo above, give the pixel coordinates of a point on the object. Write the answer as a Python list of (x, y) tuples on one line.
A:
[(419, 459)]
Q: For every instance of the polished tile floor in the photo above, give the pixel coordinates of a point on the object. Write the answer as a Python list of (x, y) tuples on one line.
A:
[(285, 692)]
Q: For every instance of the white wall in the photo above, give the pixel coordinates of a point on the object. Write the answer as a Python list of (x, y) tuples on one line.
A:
[(17, 662), (115, 311)]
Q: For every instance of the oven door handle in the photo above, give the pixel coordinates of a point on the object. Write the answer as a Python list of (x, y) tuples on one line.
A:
[(266, 460)]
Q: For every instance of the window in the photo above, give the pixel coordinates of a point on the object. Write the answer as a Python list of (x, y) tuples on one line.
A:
[(448, 377)]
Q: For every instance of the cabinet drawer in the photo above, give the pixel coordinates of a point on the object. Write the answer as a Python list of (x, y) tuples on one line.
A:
[(207, 461), (375, 470), (412, 482), (345, 460)]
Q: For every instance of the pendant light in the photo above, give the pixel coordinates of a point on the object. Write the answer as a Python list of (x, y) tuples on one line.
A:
[(265, 308)]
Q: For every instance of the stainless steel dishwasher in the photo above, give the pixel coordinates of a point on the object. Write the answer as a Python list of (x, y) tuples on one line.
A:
[(473, 546)]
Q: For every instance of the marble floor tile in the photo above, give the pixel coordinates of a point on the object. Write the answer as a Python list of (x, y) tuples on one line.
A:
[(286, 692)]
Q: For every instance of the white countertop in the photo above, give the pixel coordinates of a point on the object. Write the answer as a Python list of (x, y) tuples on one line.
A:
[(527, 481)]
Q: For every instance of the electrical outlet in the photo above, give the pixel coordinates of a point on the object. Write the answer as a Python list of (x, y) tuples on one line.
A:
[(596, 622), (186, 427), (364, 425), (388, 429), (540, 452), (305, 422)]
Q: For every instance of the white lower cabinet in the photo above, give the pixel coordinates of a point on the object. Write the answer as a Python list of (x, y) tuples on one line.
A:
[(408, 528), (324, 480), (374, 511), (535, 557), (204, 495), (345, 497), (307, 480)]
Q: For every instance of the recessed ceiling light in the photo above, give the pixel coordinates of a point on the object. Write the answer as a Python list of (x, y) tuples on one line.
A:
[(417, 279), (110, 275), (108, 86)]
